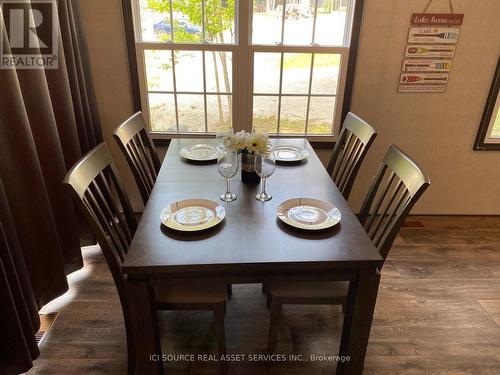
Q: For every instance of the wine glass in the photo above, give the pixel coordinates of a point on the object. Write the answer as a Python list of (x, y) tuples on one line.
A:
[(222, 133), (265, 164), (227, 163)]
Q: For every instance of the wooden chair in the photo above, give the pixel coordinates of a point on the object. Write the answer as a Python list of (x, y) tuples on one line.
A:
[(137, 147), (97, 189), (396, 187), (349, 152)]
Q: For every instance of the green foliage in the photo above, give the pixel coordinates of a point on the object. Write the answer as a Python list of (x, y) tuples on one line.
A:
[(219, 15)]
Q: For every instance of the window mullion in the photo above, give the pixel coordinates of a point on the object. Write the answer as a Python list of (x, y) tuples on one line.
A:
[(309, 91), (203, 38), (205, 89), (279, 93), (171, 23), (242, 70), (283, 23), (313, 39), (175, 90)]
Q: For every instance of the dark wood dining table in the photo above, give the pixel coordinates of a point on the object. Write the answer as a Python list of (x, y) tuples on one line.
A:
[(250, 246)]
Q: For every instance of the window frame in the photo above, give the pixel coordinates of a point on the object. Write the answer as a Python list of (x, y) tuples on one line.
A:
[(242, 54), (483, 140)]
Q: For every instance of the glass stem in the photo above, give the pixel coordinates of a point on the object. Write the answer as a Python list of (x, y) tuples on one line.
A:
[(228, 190), (263, 192)]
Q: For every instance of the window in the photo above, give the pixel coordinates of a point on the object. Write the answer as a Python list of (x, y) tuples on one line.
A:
[(488, 137), (273, 65)]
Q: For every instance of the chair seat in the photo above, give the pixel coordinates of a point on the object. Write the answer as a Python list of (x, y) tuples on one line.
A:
[(190, 292), (309, 289)]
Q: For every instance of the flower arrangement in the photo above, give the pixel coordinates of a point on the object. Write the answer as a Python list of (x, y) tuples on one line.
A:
[(248, 142)]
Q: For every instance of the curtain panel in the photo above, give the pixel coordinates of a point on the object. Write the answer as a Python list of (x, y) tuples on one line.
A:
[(48, 120), (19, 319)]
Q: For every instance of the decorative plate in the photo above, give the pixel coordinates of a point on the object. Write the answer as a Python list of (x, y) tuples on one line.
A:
[(192, 215), (308, 213), (289, 154), (199, 152)]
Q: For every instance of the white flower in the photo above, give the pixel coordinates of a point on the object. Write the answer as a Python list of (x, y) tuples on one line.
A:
[(237, 142), (258, 142)]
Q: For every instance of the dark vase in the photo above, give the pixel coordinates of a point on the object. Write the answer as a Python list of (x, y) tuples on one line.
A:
[(248, 174)]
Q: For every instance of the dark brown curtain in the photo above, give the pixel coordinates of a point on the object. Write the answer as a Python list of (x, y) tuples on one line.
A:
[(19, 316), (48, 120)]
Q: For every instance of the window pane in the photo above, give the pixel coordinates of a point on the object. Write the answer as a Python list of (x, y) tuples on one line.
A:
[(219, 73), (330, 22), (189, 71), (296, 73), (219, 112), (266, 24), (162, 112), (156, 23), (325, 73), (219, 21), (321, 111), (495, 133), (191, 110), (266, 73), (265, 113), (299, 21), (159, 70), (293, 115)]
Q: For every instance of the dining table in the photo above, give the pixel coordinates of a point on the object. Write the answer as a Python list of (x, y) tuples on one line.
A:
[(251, 245)]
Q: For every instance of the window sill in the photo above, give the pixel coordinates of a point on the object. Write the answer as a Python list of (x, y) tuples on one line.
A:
[(316, 141)]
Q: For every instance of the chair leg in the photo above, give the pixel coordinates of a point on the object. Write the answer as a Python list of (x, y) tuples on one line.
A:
[(229, 290), (274, 324), (219, 327), (130, 352)]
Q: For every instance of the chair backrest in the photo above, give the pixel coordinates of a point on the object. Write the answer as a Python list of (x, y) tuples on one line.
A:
[(135, 143), (397, 186), (96, 187), (349, 152)]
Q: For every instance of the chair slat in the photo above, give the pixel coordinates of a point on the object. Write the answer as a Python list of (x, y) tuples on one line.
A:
[(354, 159), (381, 196), (386, 215), (141, 159), (147, 157), (116, 219), (349, 152), (140, 153), (399, 183), (109, 229)]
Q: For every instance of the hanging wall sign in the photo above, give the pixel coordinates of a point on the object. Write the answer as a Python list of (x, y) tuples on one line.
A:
[(429, 50), (427, 65), (437, 19), (422, 88), (432, 39), (448, 35), (423, 78)]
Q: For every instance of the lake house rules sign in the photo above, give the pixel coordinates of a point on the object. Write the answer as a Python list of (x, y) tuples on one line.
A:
[(429, 54)]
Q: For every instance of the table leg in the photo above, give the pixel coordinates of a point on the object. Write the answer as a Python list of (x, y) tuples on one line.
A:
[(142, 317), (357, 323)]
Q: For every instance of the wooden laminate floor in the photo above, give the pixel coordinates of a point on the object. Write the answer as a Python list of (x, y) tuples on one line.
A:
[(438, 312)]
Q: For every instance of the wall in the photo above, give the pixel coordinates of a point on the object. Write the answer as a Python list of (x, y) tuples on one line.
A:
[(437, 130), (103, 25)]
